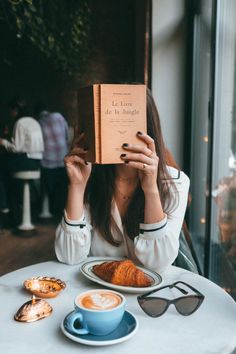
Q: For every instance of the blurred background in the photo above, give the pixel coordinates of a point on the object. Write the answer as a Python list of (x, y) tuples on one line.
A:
[(184, 50)]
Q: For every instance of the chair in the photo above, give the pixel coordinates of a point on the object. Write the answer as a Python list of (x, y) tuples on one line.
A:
[(26, 176), (187, 257)]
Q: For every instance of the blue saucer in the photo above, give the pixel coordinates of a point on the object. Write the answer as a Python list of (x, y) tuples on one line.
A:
[(126, 329)]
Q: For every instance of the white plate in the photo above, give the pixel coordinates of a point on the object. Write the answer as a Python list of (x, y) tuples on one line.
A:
[(126, 329), (87, 271)]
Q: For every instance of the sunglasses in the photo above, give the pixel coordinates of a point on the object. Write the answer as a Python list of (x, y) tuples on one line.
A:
[(186, 305)]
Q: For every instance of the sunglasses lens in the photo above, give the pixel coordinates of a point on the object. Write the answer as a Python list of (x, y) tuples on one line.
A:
[(187, 305), (153, 307)]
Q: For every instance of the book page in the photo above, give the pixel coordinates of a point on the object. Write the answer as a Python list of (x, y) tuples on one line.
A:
[(123, 114)]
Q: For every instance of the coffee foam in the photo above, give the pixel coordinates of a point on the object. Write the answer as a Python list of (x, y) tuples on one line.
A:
[(100, 300)]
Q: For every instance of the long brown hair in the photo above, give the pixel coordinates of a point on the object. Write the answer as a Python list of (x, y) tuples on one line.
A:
[(101, 186)]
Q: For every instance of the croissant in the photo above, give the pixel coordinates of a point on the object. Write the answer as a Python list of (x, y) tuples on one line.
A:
[(122, 273)]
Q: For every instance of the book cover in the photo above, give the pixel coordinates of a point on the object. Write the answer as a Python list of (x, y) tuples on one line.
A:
[(110, 115)]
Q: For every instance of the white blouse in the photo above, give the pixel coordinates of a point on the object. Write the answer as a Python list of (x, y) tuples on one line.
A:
[(27, 137), (156, 246)]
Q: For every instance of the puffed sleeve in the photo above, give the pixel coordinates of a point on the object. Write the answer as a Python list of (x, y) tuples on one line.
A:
[(157, 244), (73, 240)]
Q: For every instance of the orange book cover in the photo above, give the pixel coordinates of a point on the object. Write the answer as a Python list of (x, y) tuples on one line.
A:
[(110, 115)]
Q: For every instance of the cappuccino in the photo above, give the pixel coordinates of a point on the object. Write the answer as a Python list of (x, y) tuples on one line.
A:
[(99, 312), (99, 300)]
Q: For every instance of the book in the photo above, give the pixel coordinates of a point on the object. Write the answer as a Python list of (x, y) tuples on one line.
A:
[(111, 115)]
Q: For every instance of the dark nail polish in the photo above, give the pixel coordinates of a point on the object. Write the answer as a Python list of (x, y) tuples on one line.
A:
[(139, 133), (126, 161), (122, 155), (86, 163), (125, 145), (85, 149)]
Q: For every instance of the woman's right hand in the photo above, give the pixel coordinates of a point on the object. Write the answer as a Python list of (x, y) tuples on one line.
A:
[(78, 170)]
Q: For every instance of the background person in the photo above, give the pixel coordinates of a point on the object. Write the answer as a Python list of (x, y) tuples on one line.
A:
[(4, 178), (25, 151), (56, 141)]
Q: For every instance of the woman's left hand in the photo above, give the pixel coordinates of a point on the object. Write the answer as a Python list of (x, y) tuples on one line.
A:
[(144, 159)]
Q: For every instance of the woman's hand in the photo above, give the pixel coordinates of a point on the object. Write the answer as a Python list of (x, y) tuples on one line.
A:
[(144, 159), (78, 170)]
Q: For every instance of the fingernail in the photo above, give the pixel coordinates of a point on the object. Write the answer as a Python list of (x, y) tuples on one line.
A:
[(126, 161), (125, 145), (122, 155), (139, 133), (85, 149), (86, 163)]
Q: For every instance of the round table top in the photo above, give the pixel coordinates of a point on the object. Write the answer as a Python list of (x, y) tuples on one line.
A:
[(211, 329)]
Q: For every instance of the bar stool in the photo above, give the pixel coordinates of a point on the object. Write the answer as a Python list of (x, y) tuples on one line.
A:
[(26, 176), (45, 212)]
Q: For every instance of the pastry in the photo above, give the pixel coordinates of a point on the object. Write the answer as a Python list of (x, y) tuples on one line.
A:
[(122, 273)]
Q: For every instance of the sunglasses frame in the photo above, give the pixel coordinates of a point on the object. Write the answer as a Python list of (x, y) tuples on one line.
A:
[(146, 297)]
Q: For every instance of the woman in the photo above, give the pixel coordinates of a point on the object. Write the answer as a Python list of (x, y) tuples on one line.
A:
[(132, 209)]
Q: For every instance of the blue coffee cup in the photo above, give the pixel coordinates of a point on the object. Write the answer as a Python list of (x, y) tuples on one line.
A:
[(98, 312)]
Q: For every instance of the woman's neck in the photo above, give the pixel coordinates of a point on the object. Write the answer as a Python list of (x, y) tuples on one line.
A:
[(126, 173), (125, 185)]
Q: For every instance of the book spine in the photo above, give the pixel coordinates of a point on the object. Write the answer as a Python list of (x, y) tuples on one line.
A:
[(97, 125)]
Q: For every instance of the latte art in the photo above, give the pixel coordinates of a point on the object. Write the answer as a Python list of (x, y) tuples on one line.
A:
[(100, 300)]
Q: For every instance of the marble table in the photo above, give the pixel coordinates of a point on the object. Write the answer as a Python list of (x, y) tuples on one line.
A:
[(211, 329)]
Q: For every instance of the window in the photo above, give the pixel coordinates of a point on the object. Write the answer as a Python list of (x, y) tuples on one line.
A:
[(213, 145), (223, 212)]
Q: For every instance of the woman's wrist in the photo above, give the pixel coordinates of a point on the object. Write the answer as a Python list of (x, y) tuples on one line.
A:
[(151, 191), (153, 211), (76, 187), (75, 201)]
